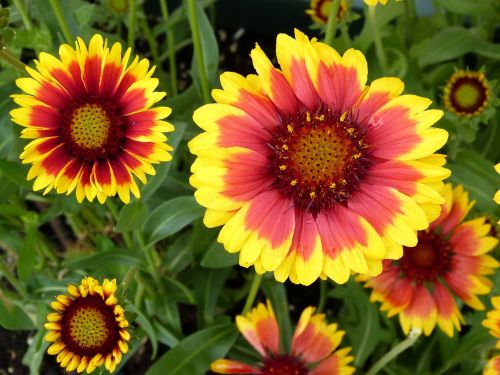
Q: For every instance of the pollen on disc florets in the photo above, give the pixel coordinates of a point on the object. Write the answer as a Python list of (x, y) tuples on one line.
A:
[(93, 127), (317, 158), (430, 259)]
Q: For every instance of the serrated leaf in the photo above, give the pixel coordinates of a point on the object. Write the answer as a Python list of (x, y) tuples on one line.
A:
[(171, 217), (195, 353)]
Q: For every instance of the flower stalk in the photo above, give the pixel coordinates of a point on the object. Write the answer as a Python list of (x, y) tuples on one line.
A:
[(331, 25), (198, 51), (171, 49), (394, 352), (379, 46), (61, 20), (252, 293)]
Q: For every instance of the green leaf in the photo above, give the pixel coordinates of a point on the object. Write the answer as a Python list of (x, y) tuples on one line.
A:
[(15, 172), (178, 291), (209, 285), (162, 170), (12, 316), (454, 42), (195, 353), (276, 293), (218, 257), (179, 254), (131, 216), (27, 255), (209, 47), (171, 217), (478, 176), (362, 320), (105, 259), (147, 327), (467, 7)]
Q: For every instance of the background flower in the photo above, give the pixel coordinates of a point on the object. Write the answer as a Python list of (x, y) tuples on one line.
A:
[(88, 329), (314, 346), (449, 260), (91, 117)]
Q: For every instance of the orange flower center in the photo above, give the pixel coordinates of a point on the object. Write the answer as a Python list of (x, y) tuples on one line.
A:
[(89, 327), (283, 365), (93, 128), (427, 261), (318, 158), (90, 126)]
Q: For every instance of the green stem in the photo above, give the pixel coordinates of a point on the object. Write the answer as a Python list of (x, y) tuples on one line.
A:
[(379, 47), (171, 49), (322, 296), (114, 212), (131, 23), (148, 254), (394, 352), (331, 25), (143, 22), (491, 136), (12, 279), (198, 52), (13, 61), (61, 20), (252, 293), (129, 276), (23, 13)]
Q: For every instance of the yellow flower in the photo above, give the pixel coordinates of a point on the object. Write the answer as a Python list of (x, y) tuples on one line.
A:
[(375, 2), (88, 329), (320, 10), (492, 322), (91, 119), (467, 93)]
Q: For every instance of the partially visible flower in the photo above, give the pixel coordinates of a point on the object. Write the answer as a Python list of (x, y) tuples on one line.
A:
[(467, 93), (311, 172), (91, 117), (492, 322), (313, 352), (88, 329), (492, 366), (320, 10), (450, 259), (497, 194), (375, 2)]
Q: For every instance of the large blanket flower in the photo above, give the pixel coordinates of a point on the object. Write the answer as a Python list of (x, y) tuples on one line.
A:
[(91, 119), (314, 346), (450, 260), (311, 172)]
